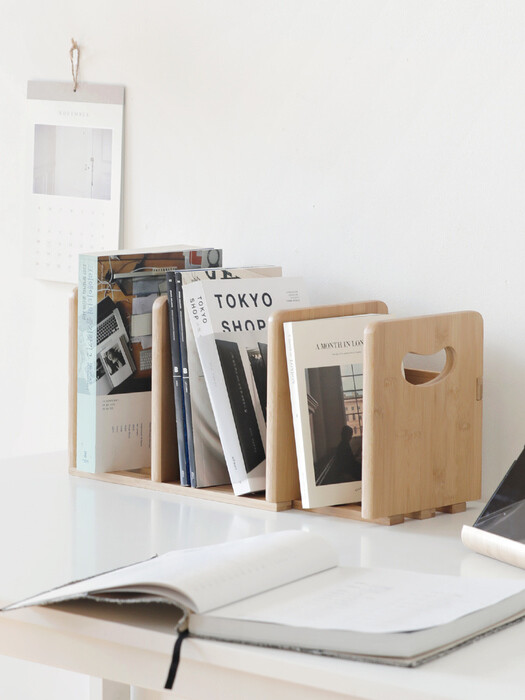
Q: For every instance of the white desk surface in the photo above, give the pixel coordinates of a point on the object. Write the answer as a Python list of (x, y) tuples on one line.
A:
[(55, 528)]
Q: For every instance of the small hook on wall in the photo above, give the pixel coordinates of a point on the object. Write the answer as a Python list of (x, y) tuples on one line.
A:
[(74, 55)]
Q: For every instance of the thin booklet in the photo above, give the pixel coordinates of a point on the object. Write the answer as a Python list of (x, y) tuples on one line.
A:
[(286, 590)]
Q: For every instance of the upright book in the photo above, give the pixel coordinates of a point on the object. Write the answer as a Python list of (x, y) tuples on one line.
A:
[(325, 369), (197, 433), (286, 590), (229, 320), (182, 447), (116, 292)]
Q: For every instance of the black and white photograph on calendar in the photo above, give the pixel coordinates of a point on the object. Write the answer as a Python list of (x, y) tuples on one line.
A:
[(72, 161)]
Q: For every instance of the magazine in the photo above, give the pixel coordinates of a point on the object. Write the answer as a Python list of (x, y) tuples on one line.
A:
[(325, 369), (229, 321), (115, 298)]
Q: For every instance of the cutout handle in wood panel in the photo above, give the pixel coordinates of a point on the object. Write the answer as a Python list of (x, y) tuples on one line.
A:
[(440, 364)]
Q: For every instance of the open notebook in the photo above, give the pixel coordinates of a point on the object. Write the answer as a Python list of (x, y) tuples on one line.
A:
[(286, 590)]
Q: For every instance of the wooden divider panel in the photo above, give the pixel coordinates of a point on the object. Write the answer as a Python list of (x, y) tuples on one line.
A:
[(422, 441), (164, 453)]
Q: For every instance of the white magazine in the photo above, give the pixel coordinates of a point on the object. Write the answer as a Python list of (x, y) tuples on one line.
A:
[(229, 320), (325, 368)]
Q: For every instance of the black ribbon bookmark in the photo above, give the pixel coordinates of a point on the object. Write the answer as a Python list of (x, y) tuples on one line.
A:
[(175, 658)]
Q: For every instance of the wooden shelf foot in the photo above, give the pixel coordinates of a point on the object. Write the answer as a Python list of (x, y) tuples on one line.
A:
[(422, 514), (454, 508), (351, 511)]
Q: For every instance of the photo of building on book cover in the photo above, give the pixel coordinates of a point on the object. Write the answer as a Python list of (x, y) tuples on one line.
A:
[(335, 406)]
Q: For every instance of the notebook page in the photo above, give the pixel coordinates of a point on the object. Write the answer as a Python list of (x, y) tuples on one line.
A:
[(209, 577), (374, 600)]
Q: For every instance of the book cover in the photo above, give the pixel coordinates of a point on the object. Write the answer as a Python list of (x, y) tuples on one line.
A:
[(206, 461), (229, 322), (325, 369), (115, 299)]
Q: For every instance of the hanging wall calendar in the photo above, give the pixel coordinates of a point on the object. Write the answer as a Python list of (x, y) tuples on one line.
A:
[(74, 174)]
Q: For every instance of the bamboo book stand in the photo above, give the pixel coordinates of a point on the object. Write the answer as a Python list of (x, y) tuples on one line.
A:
[(422, 436), (422, 430)]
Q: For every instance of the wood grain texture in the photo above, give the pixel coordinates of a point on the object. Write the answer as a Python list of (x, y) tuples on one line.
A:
[(282, 479), (164, 453), (72, 379), (422, 443)]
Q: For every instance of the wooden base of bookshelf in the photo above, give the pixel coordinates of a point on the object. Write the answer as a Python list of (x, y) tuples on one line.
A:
[(221, 494), (353, 511)]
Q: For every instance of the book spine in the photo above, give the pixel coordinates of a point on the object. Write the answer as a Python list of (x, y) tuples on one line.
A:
[(87, 364), (177, 379), (185, 380), (295, 401)]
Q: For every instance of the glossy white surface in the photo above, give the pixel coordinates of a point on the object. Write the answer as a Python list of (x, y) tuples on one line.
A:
[(55, 528)]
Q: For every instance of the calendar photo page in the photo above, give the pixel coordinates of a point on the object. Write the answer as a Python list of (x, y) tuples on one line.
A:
[(74, 175)]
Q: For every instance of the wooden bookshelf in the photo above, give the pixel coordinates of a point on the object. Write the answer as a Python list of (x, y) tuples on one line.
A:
[(422, 437)]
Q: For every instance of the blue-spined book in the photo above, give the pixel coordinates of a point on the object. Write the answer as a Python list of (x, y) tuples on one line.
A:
[(180, 421), (115, 297)]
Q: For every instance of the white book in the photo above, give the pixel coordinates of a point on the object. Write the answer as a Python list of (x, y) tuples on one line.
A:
[(229, 320), (325, 369), (286, 590)]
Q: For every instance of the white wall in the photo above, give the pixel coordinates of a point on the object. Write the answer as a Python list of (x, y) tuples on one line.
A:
[(378, 148)]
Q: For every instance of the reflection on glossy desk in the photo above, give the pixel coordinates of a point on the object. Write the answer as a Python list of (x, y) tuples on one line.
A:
[(56, 528)]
